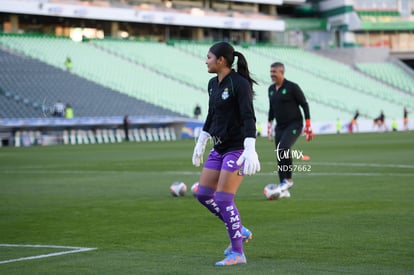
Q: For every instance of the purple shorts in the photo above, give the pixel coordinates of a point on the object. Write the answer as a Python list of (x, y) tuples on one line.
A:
[(227, 161)]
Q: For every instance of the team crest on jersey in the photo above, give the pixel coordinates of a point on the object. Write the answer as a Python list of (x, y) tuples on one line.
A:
[(225, 94), (284, 92)]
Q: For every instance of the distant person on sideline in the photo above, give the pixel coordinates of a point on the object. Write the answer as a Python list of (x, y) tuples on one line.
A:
[(125, 125), (68, 64), (69, 111), (59, 109)]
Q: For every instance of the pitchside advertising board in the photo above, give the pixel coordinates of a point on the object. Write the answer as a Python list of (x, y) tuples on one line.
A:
[(47, 129), (192, 129)]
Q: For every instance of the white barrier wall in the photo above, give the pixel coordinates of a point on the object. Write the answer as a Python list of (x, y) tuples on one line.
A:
[(363, 126)]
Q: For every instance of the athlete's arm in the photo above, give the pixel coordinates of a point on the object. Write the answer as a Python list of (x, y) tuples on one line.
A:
[(301, 100), (270, 118), (249, 156), (207, 123), (245, 101)]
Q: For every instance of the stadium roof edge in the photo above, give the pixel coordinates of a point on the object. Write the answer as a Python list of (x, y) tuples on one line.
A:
[(140, 16)]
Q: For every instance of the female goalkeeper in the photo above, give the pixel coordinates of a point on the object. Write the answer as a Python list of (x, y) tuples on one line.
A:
[(231, 126)]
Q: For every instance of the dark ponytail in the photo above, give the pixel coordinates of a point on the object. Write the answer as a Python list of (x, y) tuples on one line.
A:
[(227, 51), (243, 68)]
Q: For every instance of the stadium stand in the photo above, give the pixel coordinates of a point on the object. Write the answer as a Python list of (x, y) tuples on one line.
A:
[(332, 88), (333, 71), (27, 84), (333, 81), (191, 57), (191, 70), (140, 71), (12, 105), (390, 73), (112, 71)]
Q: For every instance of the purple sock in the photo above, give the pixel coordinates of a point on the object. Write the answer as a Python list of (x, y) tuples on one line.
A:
[(205, 196), (231, 218)]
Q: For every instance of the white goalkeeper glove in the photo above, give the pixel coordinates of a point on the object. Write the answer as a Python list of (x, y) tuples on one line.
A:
[(249, 157), (199, 148)]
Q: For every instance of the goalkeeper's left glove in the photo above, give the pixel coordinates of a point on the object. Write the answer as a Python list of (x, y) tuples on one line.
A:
[(199, 148), (308, 131), (249, 157)]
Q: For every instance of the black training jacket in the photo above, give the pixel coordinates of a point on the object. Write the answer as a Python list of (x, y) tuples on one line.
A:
[(231, 116), (284, 104)]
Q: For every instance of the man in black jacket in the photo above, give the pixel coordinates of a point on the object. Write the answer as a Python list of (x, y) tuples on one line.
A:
[(285, 98)]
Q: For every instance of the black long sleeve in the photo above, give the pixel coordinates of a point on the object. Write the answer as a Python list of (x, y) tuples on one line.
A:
[(231, 117), (284, 104)]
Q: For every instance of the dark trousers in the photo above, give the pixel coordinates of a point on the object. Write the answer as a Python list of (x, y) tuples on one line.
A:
[(285, 138)]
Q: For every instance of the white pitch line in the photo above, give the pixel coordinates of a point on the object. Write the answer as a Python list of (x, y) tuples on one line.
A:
[(299, 174), (197, 172), (347, 164), (352, 174), (72, 250)]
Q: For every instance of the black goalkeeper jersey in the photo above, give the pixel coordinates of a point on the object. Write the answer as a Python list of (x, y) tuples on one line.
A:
[(231, 116), (284, 104)]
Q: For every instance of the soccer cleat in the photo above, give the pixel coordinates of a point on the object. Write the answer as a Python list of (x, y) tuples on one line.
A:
[(285, 185), (246, 234), (232, 259), (284, 194), (227, 251)]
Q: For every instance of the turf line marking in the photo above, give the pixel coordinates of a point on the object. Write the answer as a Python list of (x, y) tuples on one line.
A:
[(298, 174), (330, 164), (381, 165), (347, 164), (72, 250), (197, 173), (318, 174)]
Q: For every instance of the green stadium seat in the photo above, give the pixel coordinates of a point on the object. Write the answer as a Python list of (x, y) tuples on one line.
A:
[(175, 78)]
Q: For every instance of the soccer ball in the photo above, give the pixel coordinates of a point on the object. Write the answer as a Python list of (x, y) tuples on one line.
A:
[(194, 188), (178, 189), (271, 191)]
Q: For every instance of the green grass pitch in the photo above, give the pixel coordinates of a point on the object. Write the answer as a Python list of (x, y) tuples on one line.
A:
[(353, 213)]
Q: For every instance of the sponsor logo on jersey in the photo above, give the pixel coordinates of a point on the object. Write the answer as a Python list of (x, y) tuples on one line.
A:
[(225, 94)]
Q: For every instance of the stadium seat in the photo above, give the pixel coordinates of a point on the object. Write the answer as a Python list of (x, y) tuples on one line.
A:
[(121, 77)]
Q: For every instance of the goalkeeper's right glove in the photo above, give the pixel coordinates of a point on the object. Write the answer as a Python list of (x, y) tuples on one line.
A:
[(249, 157), (199, 148), (308, 131)]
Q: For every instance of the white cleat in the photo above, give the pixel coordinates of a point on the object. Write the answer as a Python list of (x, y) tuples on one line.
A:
[(284, 194), (285, 185)]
